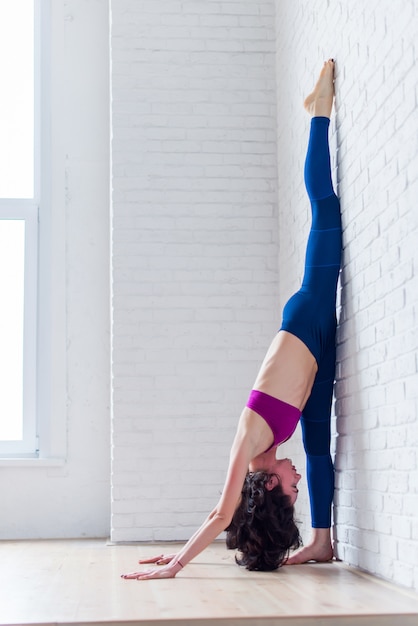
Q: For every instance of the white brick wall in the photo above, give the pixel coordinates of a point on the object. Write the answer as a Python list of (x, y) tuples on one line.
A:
[(195, 253), (194, 248), (375, 129)]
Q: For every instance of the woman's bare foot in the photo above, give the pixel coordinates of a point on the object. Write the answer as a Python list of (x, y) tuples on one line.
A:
[(319, 549), (319, 102)]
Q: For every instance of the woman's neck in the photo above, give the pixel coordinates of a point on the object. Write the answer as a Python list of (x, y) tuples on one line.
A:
[(263, 461)]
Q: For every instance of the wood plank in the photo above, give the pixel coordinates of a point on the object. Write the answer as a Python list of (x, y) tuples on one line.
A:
[(78, 582)]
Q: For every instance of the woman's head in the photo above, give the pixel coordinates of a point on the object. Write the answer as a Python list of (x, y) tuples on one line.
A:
[(263, 528), (284, 472)]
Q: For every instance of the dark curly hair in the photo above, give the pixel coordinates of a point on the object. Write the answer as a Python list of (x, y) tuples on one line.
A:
[(263, 528)]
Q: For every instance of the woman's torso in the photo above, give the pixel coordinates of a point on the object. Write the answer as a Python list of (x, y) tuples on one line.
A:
[(288, 370), (287, 373)]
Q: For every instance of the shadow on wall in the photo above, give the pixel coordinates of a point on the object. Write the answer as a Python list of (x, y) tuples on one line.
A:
[(348, 399)]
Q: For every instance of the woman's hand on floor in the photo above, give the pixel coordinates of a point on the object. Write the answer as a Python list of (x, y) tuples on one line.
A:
[(167, 571), (161, 559)]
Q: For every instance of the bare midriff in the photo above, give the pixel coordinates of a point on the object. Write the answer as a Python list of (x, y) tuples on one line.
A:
[(288, 370)]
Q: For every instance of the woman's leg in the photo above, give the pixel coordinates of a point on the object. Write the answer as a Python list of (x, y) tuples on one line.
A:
[(323, 251), (316, 433), (322, 266)]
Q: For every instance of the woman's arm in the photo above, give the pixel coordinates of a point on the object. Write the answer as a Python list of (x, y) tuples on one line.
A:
[(218, 520)]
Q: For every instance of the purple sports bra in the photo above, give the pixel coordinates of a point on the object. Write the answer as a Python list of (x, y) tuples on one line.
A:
[(280, 416)]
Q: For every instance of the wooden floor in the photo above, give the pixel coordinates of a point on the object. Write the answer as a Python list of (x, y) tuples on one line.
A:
[(78, 582)]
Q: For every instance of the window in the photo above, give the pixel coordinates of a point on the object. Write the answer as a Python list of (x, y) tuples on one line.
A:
[(19, 201)]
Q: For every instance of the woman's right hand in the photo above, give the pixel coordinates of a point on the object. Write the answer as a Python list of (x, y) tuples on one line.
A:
[(168, 571), (161, 559)]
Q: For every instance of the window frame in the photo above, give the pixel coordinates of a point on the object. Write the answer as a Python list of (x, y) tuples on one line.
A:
[(27, 210)]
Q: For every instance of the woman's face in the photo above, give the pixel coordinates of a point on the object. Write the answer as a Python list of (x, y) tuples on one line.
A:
[(285, 472)]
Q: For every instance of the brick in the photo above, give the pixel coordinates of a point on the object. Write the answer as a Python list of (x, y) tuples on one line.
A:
[(208, 151)]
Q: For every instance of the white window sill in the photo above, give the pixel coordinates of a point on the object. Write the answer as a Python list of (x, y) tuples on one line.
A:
[(31, 462)]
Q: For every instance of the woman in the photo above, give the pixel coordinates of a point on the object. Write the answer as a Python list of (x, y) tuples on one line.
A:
[(295, 382)]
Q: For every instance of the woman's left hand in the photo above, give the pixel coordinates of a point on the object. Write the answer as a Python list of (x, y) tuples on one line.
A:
[(161, 559)]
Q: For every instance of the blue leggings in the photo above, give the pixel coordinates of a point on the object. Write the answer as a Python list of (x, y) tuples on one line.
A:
[(310, 315)]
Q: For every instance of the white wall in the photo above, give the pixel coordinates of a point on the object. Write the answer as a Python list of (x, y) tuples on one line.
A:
[(194, 249), (375, 130), (71, 497)]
